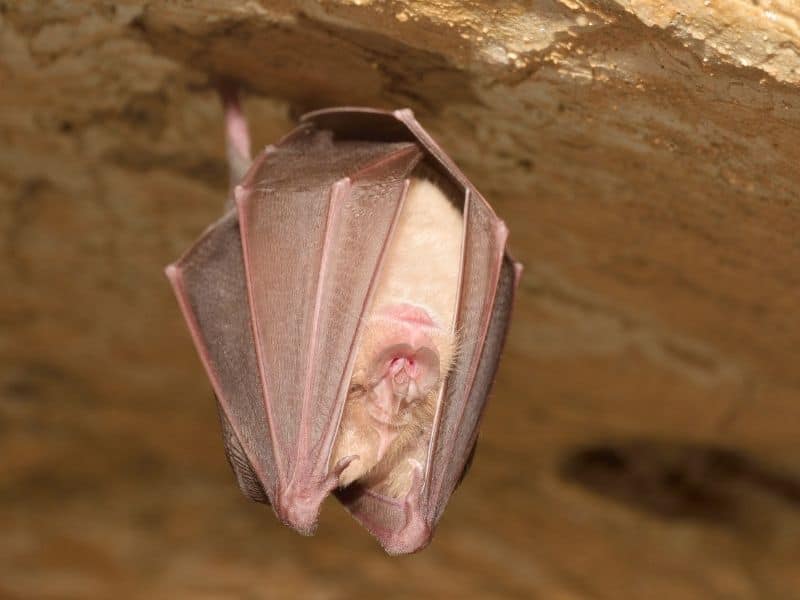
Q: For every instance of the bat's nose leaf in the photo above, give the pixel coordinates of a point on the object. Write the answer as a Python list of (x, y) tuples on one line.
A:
[(404, 376), (402, 363)]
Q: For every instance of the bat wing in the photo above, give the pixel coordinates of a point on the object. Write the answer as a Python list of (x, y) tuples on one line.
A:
[(488, 279), (274, 293), (209, 282)]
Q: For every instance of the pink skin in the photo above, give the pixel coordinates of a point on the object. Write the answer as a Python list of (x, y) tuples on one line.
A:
[(236, 127), (237, 135), (403, 372)]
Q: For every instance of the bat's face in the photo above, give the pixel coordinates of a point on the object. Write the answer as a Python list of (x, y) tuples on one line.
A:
[(398, 362)]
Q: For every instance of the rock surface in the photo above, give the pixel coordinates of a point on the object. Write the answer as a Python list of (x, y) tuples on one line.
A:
[(642, 440)]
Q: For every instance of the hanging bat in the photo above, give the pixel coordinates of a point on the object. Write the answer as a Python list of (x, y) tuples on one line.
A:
[(350, 309)]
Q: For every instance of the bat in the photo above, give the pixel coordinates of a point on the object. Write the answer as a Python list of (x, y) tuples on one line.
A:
[(350, 308)]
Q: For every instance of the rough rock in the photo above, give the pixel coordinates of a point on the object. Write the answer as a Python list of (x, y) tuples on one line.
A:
[(642, 439)]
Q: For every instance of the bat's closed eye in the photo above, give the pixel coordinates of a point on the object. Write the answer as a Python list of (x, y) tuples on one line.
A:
[(357, 388)]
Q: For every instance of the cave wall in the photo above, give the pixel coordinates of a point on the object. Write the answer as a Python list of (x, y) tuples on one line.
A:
[(642, 438)]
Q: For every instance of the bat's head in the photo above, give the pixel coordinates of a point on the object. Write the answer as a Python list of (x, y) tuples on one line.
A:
[(399, 363), (402, 377), (403, 355)]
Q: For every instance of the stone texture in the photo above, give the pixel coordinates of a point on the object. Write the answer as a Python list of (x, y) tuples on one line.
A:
[(643, 436)]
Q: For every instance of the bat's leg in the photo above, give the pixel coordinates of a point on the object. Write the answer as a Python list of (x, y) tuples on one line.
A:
[(237, 135), (415, 533)]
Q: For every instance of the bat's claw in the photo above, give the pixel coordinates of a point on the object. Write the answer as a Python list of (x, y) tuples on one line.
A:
[(339, 468), (344, 463)]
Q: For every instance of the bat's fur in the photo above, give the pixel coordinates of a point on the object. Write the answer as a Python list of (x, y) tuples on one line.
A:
[(420, 269)]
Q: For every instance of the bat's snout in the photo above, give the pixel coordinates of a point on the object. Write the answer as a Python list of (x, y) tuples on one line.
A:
[(405, 377)]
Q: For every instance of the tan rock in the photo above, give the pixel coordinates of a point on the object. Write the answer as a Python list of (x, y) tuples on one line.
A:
[(643, 438)]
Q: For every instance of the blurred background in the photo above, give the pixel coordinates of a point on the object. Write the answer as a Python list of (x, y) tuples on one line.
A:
[(643, 436)]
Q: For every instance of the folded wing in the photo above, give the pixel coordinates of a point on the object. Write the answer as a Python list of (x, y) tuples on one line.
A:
[(273, 294), (488, 278)]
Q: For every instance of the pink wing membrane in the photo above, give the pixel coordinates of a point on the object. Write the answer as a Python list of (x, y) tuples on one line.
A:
[(211, 289), (488, 279), (460, 441), (457, 415), (309, 263)]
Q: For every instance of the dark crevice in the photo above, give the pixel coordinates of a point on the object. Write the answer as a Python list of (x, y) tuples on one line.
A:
[(680, 480)]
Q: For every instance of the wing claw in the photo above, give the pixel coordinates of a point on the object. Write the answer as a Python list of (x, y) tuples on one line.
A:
[(339, 468)]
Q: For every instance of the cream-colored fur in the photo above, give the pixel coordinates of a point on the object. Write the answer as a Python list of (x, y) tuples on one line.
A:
[(421, 268)]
